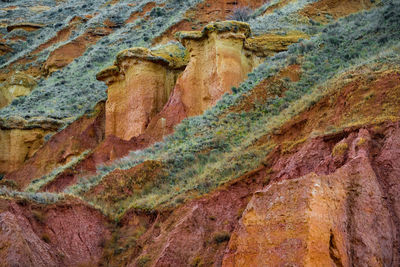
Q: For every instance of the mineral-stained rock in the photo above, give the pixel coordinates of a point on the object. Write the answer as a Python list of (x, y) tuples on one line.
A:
[(340, 219), (83, 134), (17, 145), (218, 61), (271, 43), (139, 86), (57, 235)]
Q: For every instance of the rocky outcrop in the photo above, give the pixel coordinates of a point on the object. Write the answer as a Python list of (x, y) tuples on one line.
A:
[(268, 44), (141, 70), (17, 145), (218, 61), (340, 219), (56, 235), (140, 84), (20, 139), (17, 85), (82, 135), (27, 26)]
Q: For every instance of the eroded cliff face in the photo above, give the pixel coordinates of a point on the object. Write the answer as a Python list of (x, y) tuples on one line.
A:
[(331, 201), (139, 85), (218, 61), (58, 235), (337, 219), (17, 145), (318, 199), (82, 135)]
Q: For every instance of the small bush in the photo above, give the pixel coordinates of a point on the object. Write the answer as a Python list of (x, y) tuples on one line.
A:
[(39, 216), (221, 237), (340, 149), (196, 262), (46, 238), (143, 261), (241, 14), (157, 12)]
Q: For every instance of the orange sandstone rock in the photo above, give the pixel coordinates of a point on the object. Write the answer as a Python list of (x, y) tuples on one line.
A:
[(339, 219), (218, 61), (139, 86)]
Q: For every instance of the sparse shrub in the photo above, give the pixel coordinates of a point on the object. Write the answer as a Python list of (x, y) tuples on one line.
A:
[(197, 262), (340, 149), (157, 12), (8, 183), (143, 260), (221, 237), (46, 238), (39, 216), (240, 14)]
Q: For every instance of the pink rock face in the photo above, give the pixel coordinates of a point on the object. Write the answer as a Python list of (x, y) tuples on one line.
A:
[(69, 235), (189, 235), (21, 246), (340, 219)]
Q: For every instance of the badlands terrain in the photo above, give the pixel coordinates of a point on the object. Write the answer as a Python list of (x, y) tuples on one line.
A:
[(200, 133)]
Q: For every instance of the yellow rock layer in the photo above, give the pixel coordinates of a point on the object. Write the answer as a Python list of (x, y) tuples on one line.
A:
[(139, 85), (218, 61), (17, 145), (19, 84)]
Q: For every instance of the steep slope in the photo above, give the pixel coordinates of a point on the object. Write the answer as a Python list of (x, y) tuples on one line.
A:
[(296, 165)]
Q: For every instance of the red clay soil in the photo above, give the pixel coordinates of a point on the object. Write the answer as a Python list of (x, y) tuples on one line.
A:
[(135, 15), (211, 230), (62, 36), (334, 8), (4, 49), (83, 134), (369, 202), (63, 234), (197, 231), (65, 54)]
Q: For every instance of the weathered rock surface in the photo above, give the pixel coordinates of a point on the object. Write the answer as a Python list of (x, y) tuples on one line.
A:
[(338, 219), (17, 85), (26, 26), (82, 135), (139, 86), (218, 61), (58, 235), (17, 145)]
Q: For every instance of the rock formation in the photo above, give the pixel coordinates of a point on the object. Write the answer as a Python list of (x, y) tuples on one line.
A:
[(26, 26), (139, 85), (17, 145), (218, 61), (299, 166), (82, 135), (17, 85), (61, 235)]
